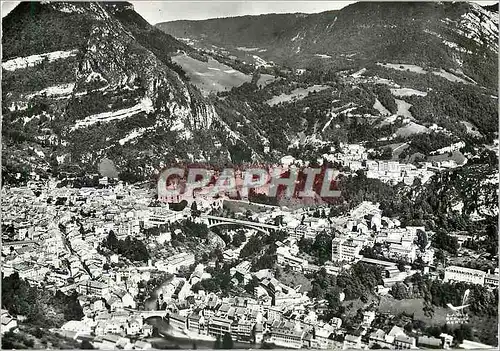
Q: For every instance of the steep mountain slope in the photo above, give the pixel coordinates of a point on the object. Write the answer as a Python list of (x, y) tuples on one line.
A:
[(108, 86), (86, 80), (443, 35)]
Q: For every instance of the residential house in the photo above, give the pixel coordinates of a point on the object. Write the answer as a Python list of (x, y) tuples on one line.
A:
[(380, 338), (402, 342), (92, 287), (352, 342)]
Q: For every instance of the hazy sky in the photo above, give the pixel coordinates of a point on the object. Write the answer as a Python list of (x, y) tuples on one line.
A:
[(160, 11), (156, 12)]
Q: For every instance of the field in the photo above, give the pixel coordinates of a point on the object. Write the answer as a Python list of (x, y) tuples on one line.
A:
[(296, 94), (417, 69), (211, 76), (407, 92), (413, 306), (265, 79), (402, 67), (243, 206), (471, 129), (403, 108), (397, 149), (381, 108), (294, 279), (411, 128), (449, 76)]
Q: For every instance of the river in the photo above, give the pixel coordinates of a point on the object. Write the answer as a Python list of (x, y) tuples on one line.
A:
[(150, 303)]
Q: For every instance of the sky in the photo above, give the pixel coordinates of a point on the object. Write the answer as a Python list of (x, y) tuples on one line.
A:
[(161, 11)]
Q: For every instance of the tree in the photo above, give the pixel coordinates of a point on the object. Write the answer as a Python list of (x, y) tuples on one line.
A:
[(86, 345), (251, 285), (194, 210), (227, 342), (111, 241), (238, 239), (399, 291), (386, 153), (218, 343), (444, 241), (463, 332), (401, 265), (253, 246), (323, 247), (421, 240), (439, 256)]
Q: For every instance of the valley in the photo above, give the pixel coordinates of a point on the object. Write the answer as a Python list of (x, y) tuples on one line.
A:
[(400, 99)]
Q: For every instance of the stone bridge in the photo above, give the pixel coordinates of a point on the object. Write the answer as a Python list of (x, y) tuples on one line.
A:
[(148, 314), (213, 221)]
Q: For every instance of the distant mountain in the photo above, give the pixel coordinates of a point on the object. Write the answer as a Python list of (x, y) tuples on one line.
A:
[(87, 81), (445, 35), (491, 8), (82, 81)]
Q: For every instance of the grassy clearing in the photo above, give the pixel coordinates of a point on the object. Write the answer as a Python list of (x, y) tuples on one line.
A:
[(456, 156), (411, 128), (211, 76), (242, 206), (412, 307), (293, 279), (295, 95)]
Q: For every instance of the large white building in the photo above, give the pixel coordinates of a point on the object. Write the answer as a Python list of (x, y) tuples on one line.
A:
[(345, 249), (406, 252), (289, 338), (462, 274), (285, 258), (173, 263)]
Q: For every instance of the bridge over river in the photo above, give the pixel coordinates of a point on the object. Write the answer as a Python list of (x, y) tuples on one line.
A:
[(213, 221)]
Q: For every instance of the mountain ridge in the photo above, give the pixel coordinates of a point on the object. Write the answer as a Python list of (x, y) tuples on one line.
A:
[(410, 32), (114, 86), (107, 82)]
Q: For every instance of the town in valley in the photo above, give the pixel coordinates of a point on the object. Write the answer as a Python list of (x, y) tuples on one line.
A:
[(400, 99)]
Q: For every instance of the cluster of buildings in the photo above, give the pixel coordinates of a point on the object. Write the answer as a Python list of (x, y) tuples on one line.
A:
[(54, 238), (364, 227), (9, 323), (289, 324), (396, 338), (355, 156), (275, 314)]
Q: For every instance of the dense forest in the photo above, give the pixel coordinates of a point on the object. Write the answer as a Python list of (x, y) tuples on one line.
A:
[(41, 307), (131, 248)]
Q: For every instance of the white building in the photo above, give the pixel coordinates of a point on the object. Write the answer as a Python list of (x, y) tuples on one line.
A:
[(462, 274), (285, 258), (405, 252), (285, 337), (345, 249), (172, 264)]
